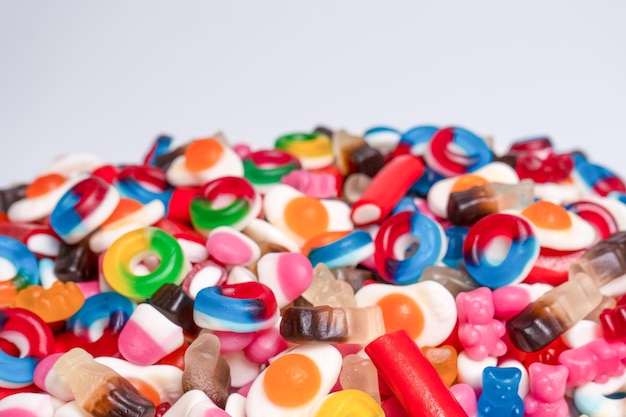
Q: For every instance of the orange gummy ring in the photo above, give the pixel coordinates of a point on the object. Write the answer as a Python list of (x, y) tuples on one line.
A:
[(548, 215), (202, 154)]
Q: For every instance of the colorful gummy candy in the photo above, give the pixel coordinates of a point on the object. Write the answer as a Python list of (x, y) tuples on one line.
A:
[(415, 273)]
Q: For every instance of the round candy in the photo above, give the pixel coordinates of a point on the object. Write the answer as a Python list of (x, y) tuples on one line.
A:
[(454, 151), (124, 254), (266, 167), (396, 258), (314, 150), (226, 201), (499, 250), (83, 209), (18, 268), (294, 382), (240, 308), (204, 160), (425, 310)]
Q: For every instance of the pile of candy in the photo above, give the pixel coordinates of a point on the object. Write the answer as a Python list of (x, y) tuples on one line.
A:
[(411, 273)]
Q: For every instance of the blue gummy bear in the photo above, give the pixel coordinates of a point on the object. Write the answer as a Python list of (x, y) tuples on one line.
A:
[(499, 397)]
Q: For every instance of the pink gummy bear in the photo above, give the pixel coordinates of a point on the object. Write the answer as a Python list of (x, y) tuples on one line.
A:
[(546, 397), (479, 333), (595, 361)]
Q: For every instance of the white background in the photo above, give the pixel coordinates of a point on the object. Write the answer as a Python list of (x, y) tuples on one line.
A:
[(107, 77)]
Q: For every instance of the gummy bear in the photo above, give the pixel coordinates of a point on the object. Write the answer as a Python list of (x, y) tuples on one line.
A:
[(479, 333), (596, 361), (499, 397), (547, 391)]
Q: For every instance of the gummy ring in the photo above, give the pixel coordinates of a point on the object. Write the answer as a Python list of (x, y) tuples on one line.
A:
[(598, 216), (240, 308), (448, 162), (209, 211), (16, 257), (598, 400), (347, 403), (131, 248), (596, 178), (83, 209), (144, 184), (384, 138), (35, 340), (266, 167), (160, 147), (314, 150), (90, 319), (520, 255), (394, 261), (417, 138), (350, 249)]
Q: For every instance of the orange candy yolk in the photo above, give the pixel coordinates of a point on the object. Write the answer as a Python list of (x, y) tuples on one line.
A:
[(322, 239), (44, 185), (146, 390), (467, 181), (202, 154), (307, 217), (125, 207), (401, 312), (292, 380), (546, 215)]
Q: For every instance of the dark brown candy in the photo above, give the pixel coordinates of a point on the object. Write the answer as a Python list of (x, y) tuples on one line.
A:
[(367, 160), (119, 398), (314, 324), (76, 263), (10, 195), (176, 305)]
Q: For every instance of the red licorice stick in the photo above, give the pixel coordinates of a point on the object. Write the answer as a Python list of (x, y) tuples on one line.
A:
[(387, 188), (411, 377)]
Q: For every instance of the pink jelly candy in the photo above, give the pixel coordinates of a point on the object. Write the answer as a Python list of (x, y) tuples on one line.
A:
[(287, 274), (547, 391), (596, 361)]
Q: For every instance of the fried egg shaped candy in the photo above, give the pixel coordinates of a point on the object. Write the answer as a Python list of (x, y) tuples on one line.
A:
[(288, 275), (348, 250), (18, 269), (204, 160), (83, 209), (467, 207), (40, 198), (389, 185), (34, 341), (294, 382), (301, 217), (98, 389), (129, 215), (242, 308), (122, 257), (225, 201), (325, 324), (556, 311), (411, 377), (439, 193), (397, 259), (558, 229), (313, 150), (348, 402), (453, 151), (27, 404), (425, 310), (195, 403), (500, 250), (266, 168)]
